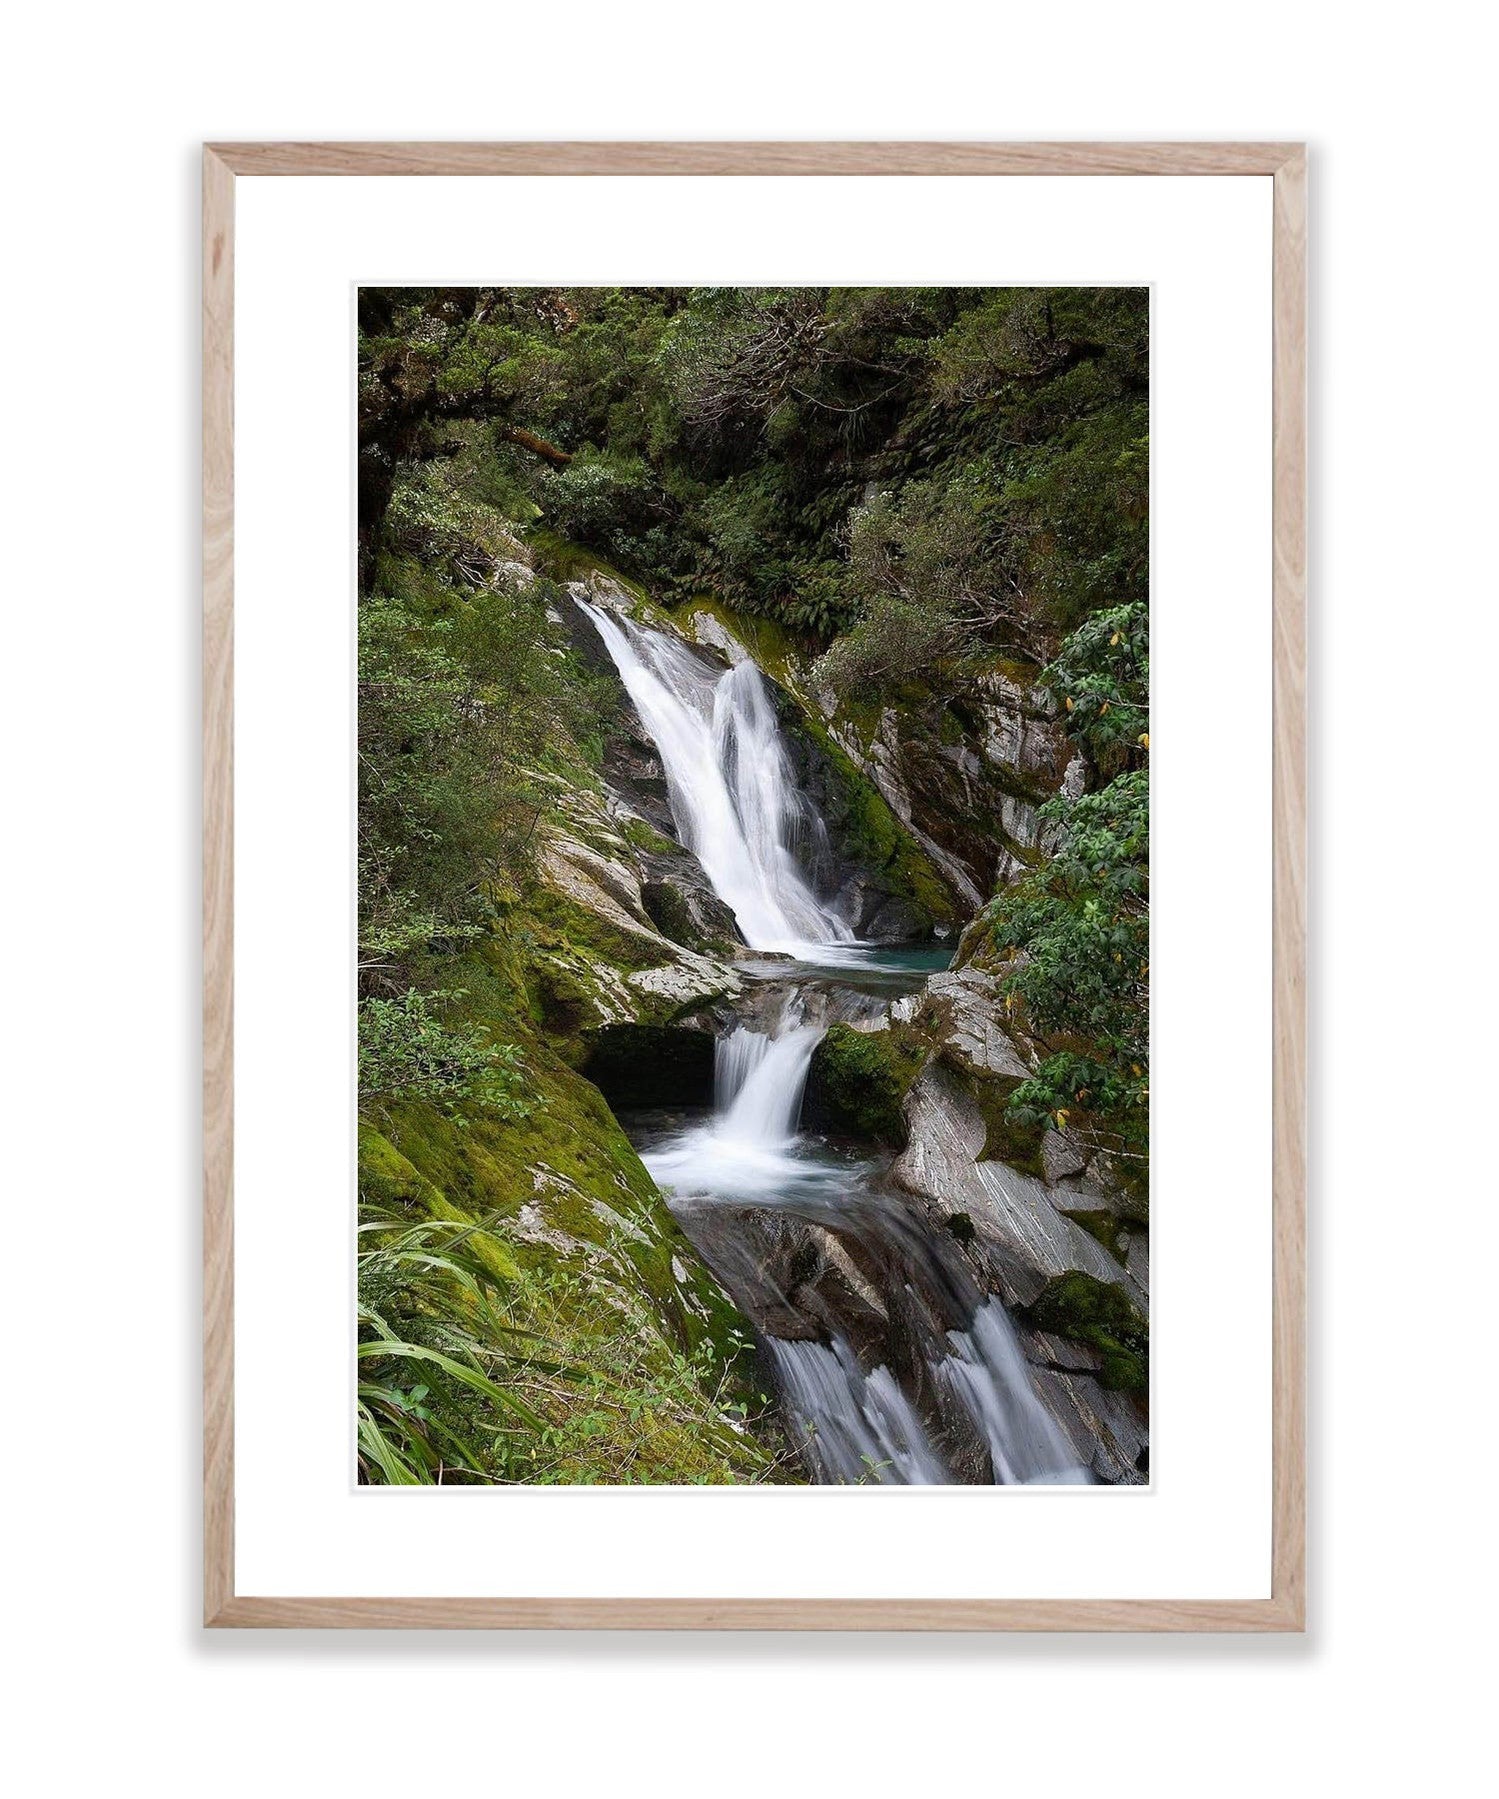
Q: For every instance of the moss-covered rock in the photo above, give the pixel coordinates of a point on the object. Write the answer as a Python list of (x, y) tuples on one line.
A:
[(642, 836), (593, 1263), (873, 837), (858, 1081), (1018, 1145), (1104, 1227), (1101, 1316)]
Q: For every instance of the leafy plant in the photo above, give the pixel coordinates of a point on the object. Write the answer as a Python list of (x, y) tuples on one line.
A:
[(1075, 938), (435, 1349), (1102, 676), (407, 1052)]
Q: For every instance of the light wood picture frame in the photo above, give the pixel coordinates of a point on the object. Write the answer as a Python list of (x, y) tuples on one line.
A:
[(1284, 1610)]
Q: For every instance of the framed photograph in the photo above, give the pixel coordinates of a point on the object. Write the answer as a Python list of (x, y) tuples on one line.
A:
[(754, 886)]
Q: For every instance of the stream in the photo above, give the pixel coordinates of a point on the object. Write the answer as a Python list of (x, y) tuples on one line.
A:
[(891, 1364)]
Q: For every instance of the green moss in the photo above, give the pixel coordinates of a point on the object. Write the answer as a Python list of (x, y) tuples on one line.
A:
[(858, 1080), (641, 836), (777, 651), (1104, 1227), (672, 917), (1022, 674), (390, 1186), (1017, 1145), (568, 932), (386, 1179), (1101, 1316), (860, 715), (560, 559), (598, 1268), (877, 838)]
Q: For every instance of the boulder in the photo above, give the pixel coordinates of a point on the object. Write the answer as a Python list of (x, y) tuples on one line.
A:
[(965, 1006), (1021, 1235)]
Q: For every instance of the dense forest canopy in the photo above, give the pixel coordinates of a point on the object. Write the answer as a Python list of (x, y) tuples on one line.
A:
[(820, 455), (911, 485)]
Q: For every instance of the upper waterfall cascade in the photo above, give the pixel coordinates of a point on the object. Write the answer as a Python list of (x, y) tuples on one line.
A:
[(733, 795)]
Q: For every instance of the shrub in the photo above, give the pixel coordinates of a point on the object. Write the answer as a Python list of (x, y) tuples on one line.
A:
[(407, 1052), (597, 497), (1076, 937)]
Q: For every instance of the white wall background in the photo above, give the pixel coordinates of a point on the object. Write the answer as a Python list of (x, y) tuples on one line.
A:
[(105, 109)]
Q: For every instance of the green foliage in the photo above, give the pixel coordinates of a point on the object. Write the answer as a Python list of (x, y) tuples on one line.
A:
[(1078, 512), (454, 1389), (407, 1052), (437, 1354), (731, 438), (1102, 676), (930, 570), (605, 500), (1064, 375), (1100, 1315), (1076, 938), (615, 1358), (915, 481), (462, 705), (437, 515), (472, 714)]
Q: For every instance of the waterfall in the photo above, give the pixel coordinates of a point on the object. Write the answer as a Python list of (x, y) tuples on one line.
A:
[(987, 1371), (759, 1081), (748, 1151), (852, 1426), (737, 808), (729, 780)]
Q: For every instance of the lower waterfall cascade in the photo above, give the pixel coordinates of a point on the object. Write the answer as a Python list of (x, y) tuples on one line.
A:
[(745, 1175)]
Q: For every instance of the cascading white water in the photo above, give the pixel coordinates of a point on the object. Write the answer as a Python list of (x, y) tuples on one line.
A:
[(987, 1371), (729, 780), (763, 1083), (737, 807), (853, 1426), (747, 1151)]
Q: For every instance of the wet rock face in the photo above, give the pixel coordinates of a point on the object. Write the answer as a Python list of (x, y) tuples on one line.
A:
[(1017, 1233), (966, 773), (1021, 1230), (835, 851), (632, 765), (610, 963), (795, 1279), (965, 1006), (682, 905), (635, 776), (878, 915)]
